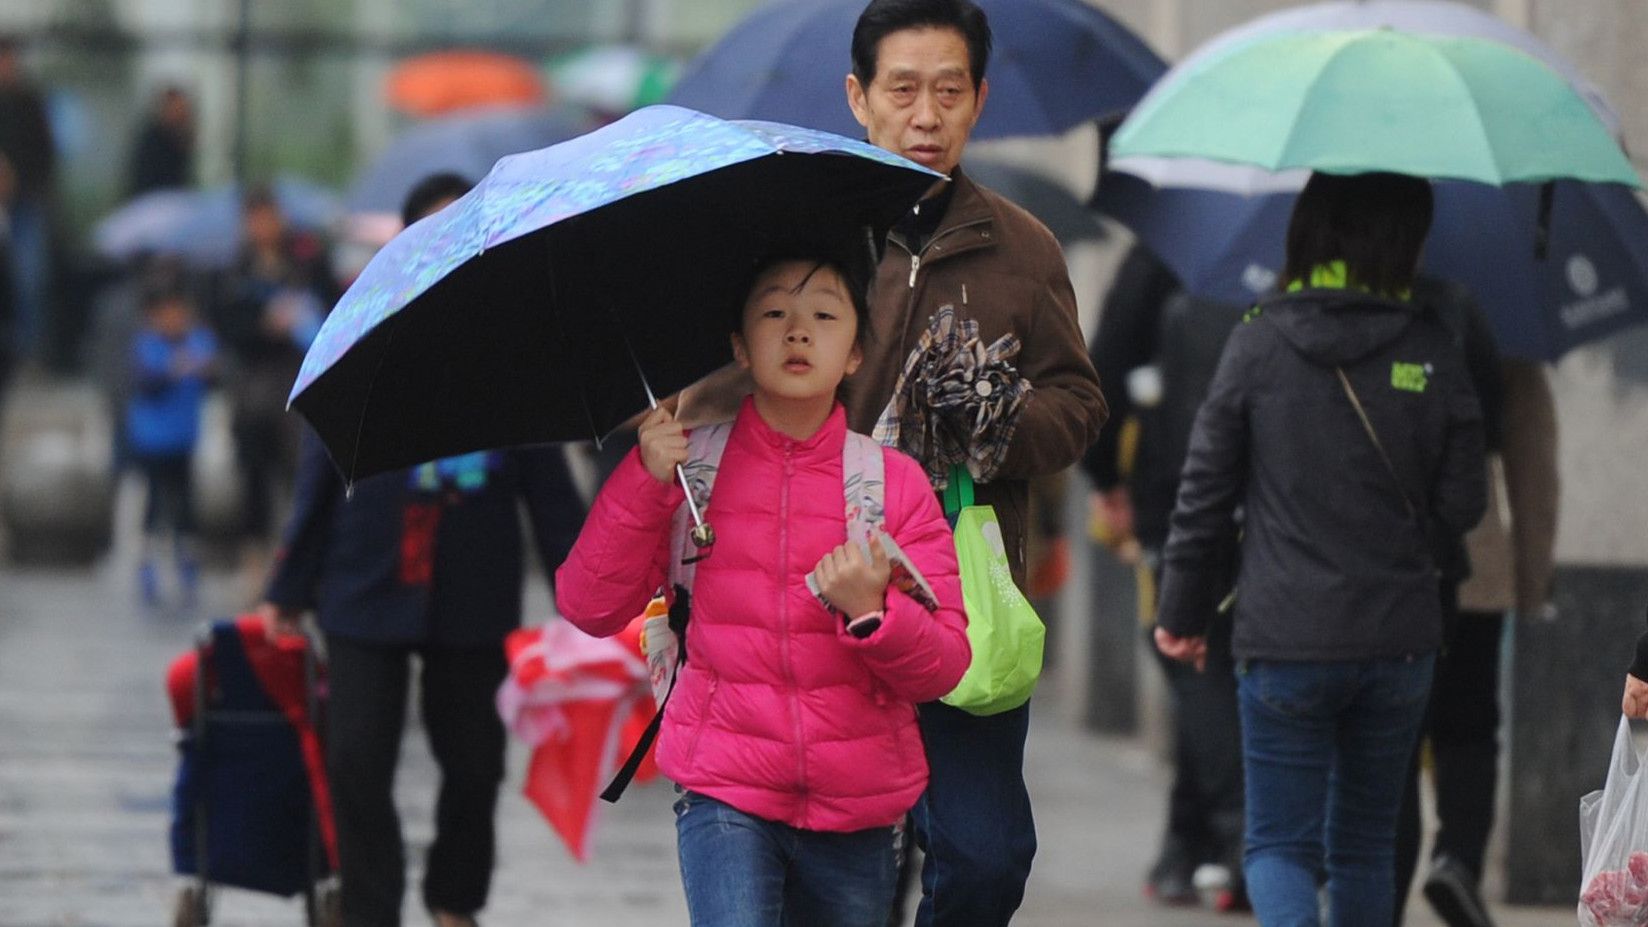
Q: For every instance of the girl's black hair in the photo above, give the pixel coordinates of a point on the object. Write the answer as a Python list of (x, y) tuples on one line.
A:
[(1376, 223), (853, 265)]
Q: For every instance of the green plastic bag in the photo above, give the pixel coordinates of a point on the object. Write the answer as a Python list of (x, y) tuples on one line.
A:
[(1004, 631)]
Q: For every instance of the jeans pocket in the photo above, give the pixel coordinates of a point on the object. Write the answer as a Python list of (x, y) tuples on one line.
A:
[(1293, 689), (1406, 682)]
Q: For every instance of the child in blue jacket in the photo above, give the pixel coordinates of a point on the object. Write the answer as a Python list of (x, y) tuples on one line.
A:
[(173, 360)]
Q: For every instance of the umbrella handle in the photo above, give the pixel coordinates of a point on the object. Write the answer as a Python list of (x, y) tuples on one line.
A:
[(703, 536)]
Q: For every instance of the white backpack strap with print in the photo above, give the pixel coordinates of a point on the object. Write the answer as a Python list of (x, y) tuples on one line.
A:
[(864, 484), (705, 445)]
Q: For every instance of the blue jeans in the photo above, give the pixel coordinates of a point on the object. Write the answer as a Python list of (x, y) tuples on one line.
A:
[(1326, 748), (743, 871), (31, 276), (974, 821)]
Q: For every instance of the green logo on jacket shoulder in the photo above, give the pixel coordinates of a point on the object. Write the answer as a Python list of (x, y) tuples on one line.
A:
[(1411, 377)]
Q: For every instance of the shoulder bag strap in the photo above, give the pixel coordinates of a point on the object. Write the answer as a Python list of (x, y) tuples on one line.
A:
[(1367, 425)]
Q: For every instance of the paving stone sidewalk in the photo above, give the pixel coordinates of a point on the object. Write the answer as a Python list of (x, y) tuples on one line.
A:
[(86, 765)]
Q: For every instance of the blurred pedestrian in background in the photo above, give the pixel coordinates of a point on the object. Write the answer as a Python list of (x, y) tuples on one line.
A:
[(163, 156), (1507, 564), (28, 165), (1162, 346), (1342, 421), (268, 308), (173, 359), (425, 562)]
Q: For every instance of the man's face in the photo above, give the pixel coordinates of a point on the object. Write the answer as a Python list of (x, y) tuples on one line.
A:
[(921, 103)]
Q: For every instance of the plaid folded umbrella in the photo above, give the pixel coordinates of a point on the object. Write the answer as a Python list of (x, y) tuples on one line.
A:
[(957, 400)]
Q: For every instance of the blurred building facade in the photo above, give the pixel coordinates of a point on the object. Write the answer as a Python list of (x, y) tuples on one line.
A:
[(313, 76)]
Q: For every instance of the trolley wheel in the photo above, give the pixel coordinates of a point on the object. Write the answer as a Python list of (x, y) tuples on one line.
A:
[(193, 908), (324, 905)]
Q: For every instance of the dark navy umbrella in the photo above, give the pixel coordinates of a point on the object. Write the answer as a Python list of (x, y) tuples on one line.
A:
[(520, 313), (1056, 64), (1586, 281), (467, 144)]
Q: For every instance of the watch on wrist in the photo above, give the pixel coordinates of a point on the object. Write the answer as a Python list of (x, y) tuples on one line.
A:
[(864, 625)]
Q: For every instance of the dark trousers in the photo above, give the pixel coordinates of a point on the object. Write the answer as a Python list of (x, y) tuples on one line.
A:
[(973, 822), (365, 715), (170, 506), (1463, 729), (1204, 812)]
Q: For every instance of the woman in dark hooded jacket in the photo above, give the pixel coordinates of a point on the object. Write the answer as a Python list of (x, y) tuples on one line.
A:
[(1343, 425)]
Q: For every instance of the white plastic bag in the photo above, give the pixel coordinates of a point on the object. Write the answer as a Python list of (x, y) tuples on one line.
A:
[(1613, 839)]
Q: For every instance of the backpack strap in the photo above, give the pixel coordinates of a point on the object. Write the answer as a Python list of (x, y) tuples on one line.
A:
[(864, 484), (705, 445)]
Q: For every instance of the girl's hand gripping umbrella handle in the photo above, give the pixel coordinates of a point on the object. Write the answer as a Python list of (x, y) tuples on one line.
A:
[(703, 536)]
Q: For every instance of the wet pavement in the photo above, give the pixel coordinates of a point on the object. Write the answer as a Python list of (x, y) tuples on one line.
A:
[(86, 765)]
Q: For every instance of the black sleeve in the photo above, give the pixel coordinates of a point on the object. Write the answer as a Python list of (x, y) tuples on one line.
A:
[(554, 507), (1639, 666), (295, 576), (1482, 361), (1125, 340), (1460, 494), (1194, 561)]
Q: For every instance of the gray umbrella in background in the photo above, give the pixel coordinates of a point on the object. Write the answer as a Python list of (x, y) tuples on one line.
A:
[(468, 144), (1045, 198)]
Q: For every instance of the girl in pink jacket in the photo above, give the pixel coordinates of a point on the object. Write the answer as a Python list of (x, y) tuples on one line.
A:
[(792, 733)]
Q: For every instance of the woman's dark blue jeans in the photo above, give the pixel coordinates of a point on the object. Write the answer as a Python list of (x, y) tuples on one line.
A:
[(743, 871), (1326, 748)]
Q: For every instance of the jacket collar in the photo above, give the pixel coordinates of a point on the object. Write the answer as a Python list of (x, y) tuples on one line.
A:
[(969, 209), (827, 441)]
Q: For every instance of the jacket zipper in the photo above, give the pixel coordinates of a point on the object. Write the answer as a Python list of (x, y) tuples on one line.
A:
[(784, 626), (916, 260), (915, 265)]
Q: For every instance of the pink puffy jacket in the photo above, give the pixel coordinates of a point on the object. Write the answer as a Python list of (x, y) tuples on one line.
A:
[(779, 712)]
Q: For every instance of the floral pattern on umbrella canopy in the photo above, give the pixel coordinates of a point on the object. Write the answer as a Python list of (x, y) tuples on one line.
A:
[(957, 400), (530, 309)]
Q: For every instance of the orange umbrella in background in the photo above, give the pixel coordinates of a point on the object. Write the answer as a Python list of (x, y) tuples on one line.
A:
[(443, 82)]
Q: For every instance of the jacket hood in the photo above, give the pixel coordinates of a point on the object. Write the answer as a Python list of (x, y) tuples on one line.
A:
[(1333, 327)]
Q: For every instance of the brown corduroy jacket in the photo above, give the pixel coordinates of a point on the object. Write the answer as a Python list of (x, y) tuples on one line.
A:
[(994, 263)]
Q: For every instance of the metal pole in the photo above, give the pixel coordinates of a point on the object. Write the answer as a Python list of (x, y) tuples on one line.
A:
[(243, 51)]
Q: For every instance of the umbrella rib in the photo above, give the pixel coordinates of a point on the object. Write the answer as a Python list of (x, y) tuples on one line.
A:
[(1476, 113), (554, 292), (366, 403)]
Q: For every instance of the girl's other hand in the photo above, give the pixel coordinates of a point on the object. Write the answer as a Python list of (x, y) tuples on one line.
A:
[(854, 583), (663, 445)]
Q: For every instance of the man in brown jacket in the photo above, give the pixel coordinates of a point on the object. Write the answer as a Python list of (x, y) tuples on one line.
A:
[(918, 87)]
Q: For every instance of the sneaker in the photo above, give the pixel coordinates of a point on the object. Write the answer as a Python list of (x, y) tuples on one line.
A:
[(1451, 889), (1172, 879)]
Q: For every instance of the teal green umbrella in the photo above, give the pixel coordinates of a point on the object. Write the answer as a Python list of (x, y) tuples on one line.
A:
[(1378, 100)]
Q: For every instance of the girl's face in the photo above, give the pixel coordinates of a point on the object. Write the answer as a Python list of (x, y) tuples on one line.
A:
[(800, 334)]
